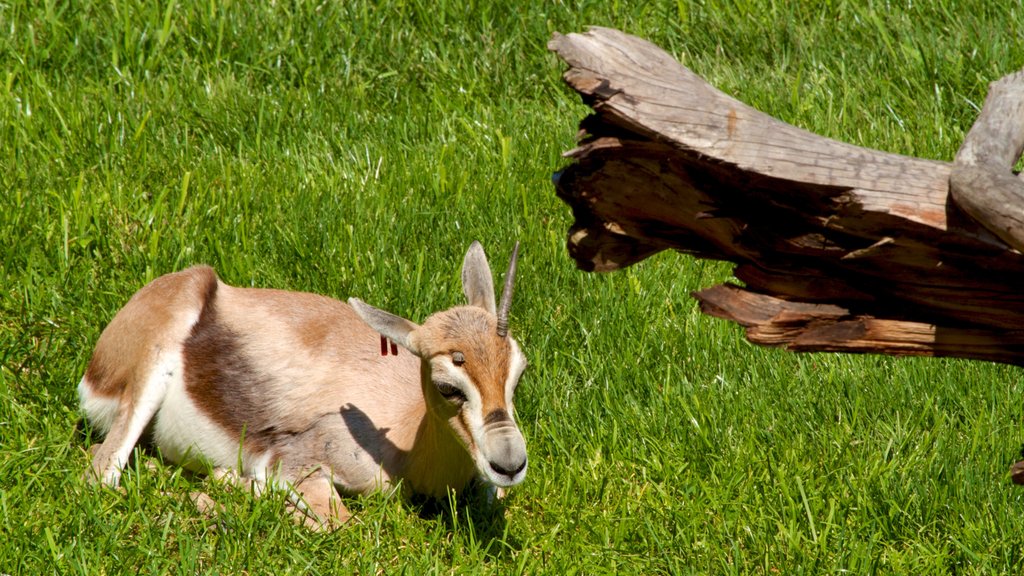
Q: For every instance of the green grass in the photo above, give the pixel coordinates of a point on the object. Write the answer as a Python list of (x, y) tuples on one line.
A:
[(356, 148)]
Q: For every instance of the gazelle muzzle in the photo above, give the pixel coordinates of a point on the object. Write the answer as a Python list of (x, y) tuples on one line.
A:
[(504, 449)]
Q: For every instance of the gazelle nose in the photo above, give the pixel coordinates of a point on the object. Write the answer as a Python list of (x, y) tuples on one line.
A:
[(508, 469)]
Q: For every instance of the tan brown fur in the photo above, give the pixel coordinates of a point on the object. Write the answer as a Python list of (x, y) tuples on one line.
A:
[(148, 313)]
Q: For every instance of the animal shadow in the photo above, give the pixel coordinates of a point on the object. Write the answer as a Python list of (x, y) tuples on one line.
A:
[(476, 505)]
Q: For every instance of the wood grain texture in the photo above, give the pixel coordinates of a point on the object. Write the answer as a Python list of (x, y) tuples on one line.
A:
[(982, 181), (850, 249)]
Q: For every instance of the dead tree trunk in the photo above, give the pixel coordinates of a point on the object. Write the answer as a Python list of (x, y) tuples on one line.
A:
[(840, 248)]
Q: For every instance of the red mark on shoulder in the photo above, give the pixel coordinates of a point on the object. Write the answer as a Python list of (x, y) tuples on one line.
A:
[(384, 346)]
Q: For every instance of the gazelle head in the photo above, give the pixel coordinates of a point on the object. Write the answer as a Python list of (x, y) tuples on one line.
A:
[(470, 366)]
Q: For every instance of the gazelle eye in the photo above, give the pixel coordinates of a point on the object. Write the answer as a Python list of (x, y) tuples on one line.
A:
[(450, 392), (458, 358)]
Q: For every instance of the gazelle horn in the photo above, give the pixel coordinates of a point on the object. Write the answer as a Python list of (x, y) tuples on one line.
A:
[(506, 294)]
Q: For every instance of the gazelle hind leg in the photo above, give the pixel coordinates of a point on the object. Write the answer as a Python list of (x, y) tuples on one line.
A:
[(110, 456), (134, 412)]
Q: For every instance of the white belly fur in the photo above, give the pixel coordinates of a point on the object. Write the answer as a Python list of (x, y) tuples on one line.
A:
[(187, 436)]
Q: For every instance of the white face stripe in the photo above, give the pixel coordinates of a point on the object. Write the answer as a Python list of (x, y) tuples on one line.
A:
[(461, 379), (515, 372), (472, 409)]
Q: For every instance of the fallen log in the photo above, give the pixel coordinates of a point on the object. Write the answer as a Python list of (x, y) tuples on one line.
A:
[(839, 247)]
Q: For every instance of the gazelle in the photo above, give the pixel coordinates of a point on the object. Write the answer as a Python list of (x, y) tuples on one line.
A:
[(303, 391)]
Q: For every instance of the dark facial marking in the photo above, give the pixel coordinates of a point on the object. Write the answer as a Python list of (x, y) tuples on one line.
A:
[(496, 416)]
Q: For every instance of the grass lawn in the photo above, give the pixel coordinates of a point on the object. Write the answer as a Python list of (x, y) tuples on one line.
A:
[(356, 148)]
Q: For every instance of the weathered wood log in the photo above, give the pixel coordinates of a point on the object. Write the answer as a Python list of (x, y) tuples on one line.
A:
[(839, 247)]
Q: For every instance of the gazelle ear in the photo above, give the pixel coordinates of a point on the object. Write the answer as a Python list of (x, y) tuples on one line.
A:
[(397, 329), (477, 283)]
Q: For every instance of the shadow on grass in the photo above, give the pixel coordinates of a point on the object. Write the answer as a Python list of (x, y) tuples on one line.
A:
[(475, 510)]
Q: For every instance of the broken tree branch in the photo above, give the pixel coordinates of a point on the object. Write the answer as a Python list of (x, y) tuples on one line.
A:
[(982, 182), (840, 248)]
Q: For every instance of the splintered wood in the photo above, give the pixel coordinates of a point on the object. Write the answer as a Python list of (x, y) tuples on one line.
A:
[(839, 248)]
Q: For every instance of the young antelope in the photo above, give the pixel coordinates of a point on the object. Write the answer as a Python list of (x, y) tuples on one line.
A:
[(308, 393)]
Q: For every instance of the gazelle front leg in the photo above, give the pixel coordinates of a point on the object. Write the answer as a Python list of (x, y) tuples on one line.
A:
[(317, 504), (207, 505), (313, 500)]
